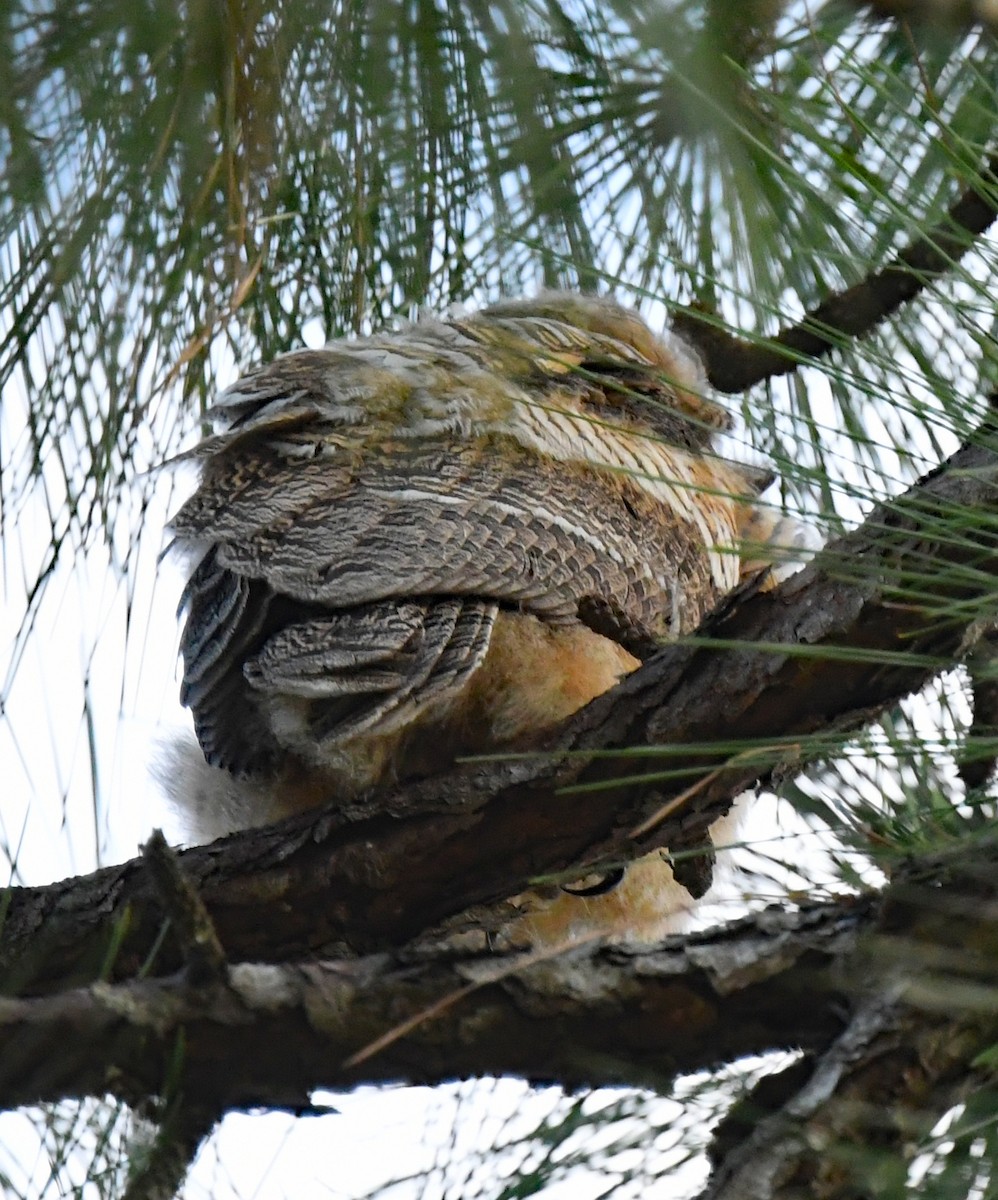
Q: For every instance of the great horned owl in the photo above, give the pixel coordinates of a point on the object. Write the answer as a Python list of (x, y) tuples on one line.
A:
[(440, 542)]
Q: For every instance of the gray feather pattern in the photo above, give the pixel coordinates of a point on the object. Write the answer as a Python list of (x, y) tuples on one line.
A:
[(368, 518), (455, 638), (362, 649)]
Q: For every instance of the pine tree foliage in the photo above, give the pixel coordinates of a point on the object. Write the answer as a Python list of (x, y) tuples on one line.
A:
[(808, 189)]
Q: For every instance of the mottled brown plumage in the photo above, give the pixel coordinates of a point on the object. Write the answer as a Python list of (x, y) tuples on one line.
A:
[(441, 541)]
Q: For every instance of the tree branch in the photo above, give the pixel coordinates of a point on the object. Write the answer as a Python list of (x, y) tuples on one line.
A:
[(919, 1041), (872, 1099), (157, 1171), (734, 365), (946, 14), (271, 1034)]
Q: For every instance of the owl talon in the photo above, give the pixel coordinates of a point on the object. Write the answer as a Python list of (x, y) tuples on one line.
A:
[(606, 883)]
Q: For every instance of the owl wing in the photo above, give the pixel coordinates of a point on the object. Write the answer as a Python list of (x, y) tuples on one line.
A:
[(372, 506), (365, 586)]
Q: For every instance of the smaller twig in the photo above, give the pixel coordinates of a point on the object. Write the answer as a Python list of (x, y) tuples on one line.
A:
[(438, 1007), (734, 364), (677, 802), (200, 945)]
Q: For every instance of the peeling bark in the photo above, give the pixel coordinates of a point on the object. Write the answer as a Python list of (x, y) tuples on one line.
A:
[(268, 1034)]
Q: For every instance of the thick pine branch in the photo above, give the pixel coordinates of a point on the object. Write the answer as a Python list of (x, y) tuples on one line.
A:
[(271, 1034)]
